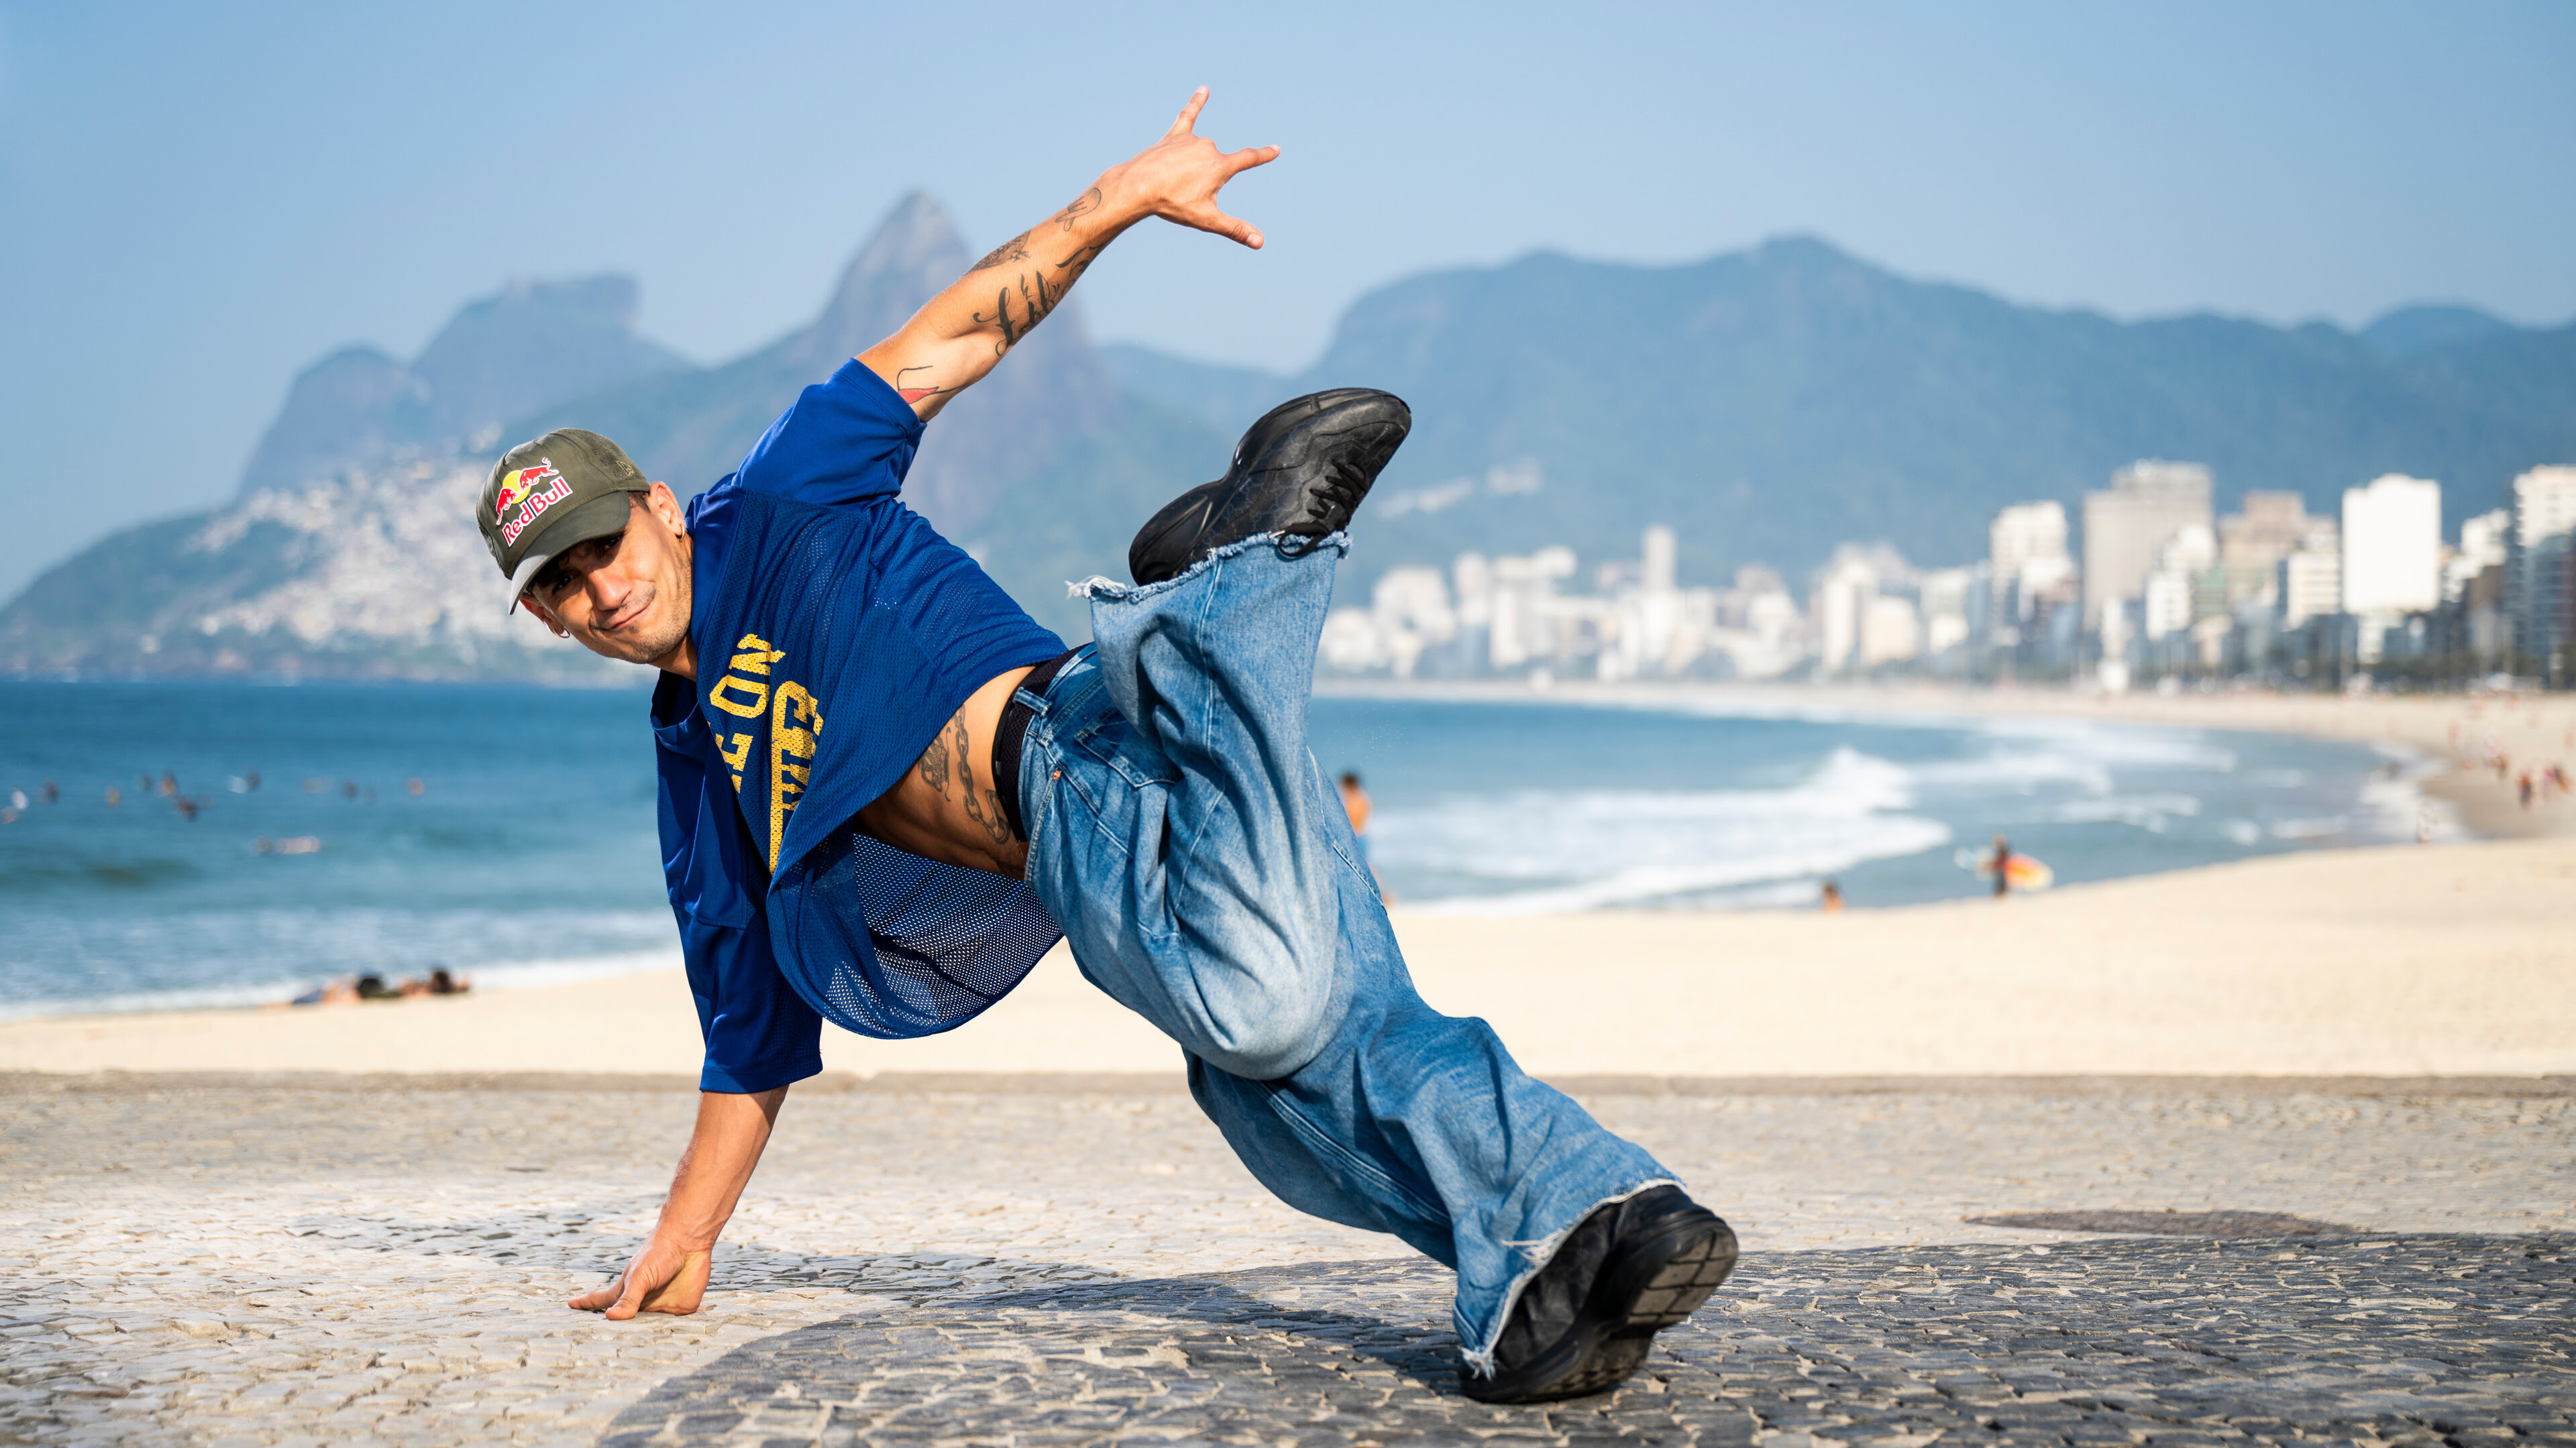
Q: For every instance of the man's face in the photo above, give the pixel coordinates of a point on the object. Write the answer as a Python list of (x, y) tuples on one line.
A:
[(627, 596)]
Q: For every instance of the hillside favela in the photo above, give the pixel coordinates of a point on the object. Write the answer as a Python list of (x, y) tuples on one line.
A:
[(987, 727)]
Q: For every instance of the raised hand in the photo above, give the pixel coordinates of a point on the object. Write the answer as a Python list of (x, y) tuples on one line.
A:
[(955, 339), (1178, 177)]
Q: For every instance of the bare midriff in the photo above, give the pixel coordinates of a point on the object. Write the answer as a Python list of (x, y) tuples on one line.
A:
[(947, 807)]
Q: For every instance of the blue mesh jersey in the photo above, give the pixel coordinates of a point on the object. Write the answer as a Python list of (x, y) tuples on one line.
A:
[(836, 632)]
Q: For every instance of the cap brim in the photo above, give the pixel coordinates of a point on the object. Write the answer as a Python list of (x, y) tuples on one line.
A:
[(599, 518)]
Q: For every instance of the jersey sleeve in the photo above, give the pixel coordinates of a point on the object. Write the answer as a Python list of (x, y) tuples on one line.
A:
[(759, 1032), (846, 441)]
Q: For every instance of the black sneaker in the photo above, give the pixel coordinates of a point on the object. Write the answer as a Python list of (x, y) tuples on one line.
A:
[(1584, 1323), (1300, 471)]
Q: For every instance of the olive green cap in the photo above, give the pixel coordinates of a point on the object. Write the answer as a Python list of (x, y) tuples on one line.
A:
[(552, 492)]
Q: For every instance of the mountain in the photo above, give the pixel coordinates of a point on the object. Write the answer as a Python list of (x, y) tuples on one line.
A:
[(691, 428), (1768, 404), (2409, 330), (536, 340), (366, 576), (1772, 402), (1225, 398), (351, 550)]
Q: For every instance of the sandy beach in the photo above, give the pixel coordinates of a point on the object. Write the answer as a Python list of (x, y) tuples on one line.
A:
[(2433, 960), (2442, 960)]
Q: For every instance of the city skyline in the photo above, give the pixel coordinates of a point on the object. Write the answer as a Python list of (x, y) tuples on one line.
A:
[(2170, 589)]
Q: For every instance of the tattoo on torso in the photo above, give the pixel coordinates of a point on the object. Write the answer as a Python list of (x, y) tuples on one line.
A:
[(951, 757)]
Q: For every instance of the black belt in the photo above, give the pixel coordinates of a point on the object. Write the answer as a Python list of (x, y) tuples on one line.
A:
[(1014, 728)]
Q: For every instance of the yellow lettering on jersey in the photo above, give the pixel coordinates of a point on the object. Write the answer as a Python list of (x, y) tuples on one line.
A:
[(743, 698), (736, 752), (793, 723), (756, 655)]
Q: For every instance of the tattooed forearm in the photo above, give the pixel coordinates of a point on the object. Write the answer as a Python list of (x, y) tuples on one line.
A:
[(1015, 249), (1012, 329), (1082, 205), (912, 391), (1039, 295)]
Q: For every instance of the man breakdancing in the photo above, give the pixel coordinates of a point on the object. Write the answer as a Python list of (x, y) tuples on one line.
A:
[(885, 792)]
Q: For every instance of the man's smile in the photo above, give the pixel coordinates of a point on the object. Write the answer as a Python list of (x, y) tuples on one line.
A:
[(640, 604)]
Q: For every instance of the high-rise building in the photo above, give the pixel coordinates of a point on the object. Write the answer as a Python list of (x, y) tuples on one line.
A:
[(2392, 546), (2484, 543), (2168, 597), (1947, 606), (2127, 525), (2311, 581), (1658, 552), (2540, 593), (2022, 534), (2253, 540), (1841, 609), (1889, 631)]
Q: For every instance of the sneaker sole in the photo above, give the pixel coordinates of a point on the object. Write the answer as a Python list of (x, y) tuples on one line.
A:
[(1606, 1347)]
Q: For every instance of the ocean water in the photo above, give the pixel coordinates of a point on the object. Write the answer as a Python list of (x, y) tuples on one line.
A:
[(528, 854), (1531, 806)]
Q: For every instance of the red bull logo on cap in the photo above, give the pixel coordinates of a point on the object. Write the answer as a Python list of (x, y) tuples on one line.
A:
[(531, 491)]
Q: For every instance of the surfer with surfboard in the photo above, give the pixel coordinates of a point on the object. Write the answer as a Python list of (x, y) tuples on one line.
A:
[(2008, 871)]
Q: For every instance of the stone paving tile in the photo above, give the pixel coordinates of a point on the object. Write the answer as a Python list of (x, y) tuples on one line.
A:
[(273, 1266)]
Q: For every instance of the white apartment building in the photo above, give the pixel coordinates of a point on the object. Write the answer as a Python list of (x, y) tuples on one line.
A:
[(2253, 540), (1841, 604), (1890, 632), (2484, 540), (2127, 525), (2166, 596), (2311, 581), (1509, 614), (1946, 608), (2392, 546), (1525, 621), (2540, 560), (2026, 542)]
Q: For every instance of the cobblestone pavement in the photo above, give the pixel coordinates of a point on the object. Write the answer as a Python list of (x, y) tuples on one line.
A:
[(273, 1266)]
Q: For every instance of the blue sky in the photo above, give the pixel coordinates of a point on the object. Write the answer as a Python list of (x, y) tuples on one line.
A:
[(201, 200)]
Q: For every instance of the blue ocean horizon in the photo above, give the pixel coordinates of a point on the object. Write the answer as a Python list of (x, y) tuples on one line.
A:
[(528, 853)]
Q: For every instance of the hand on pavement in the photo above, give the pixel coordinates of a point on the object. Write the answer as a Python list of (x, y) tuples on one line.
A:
[(663, 1277)]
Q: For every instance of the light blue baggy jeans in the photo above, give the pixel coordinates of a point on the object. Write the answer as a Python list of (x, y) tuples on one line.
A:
[(1205, 875)]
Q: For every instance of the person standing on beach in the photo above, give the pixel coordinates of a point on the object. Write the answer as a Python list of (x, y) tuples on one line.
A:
[(1357, 805), (885, 792), (2000, 862)]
